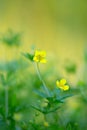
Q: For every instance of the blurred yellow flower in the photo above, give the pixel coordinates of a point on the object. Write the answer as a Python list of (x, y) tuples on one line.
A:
[(17, 116), (46, 124), (39, 56), (62, 84)]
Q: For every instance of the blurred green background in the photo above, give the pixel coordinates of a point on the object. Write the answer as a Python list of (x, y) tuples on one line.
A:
[(60, 28)]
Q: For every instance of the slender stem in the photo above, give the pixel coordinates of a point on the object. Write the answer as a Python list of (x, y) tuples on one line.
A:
[(41, 79), (6, 101)]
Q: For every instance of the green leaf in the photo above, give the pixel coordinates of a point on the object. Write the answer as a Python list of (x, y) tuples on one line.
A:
[(28, 56), (54, 109), (41, 94), (11, 38), (70, 67), (58, 101), (65, 96), (54, 100), (12, 66), (36, 108)]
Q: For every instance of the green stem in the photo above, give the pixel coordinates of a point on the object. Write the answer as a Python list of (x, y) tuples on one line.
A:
[(6, 101), (41, 79)]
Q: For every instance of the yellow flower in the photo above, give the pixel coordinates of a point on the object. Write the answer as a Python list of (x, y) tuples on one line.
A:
[(17, 116), (46, 124), (39, 56), (62, 84)]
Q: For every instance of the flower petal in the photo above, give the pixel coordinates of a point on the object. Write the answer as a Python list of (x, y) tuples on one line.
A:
[(66, 87), (37, 53), (57, 83), (62, 82), (35, 59), (43, 54), (43, 61)]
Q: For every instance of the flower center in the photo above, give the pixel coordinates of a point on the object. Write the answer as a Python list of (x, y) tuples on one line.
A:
[(39, 57)]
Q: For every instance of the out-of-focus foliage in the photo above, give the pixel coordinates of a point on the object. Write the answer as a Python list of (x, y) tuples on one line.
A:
[(11, 38), (70, 67), (24, 103), (60, 28)]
